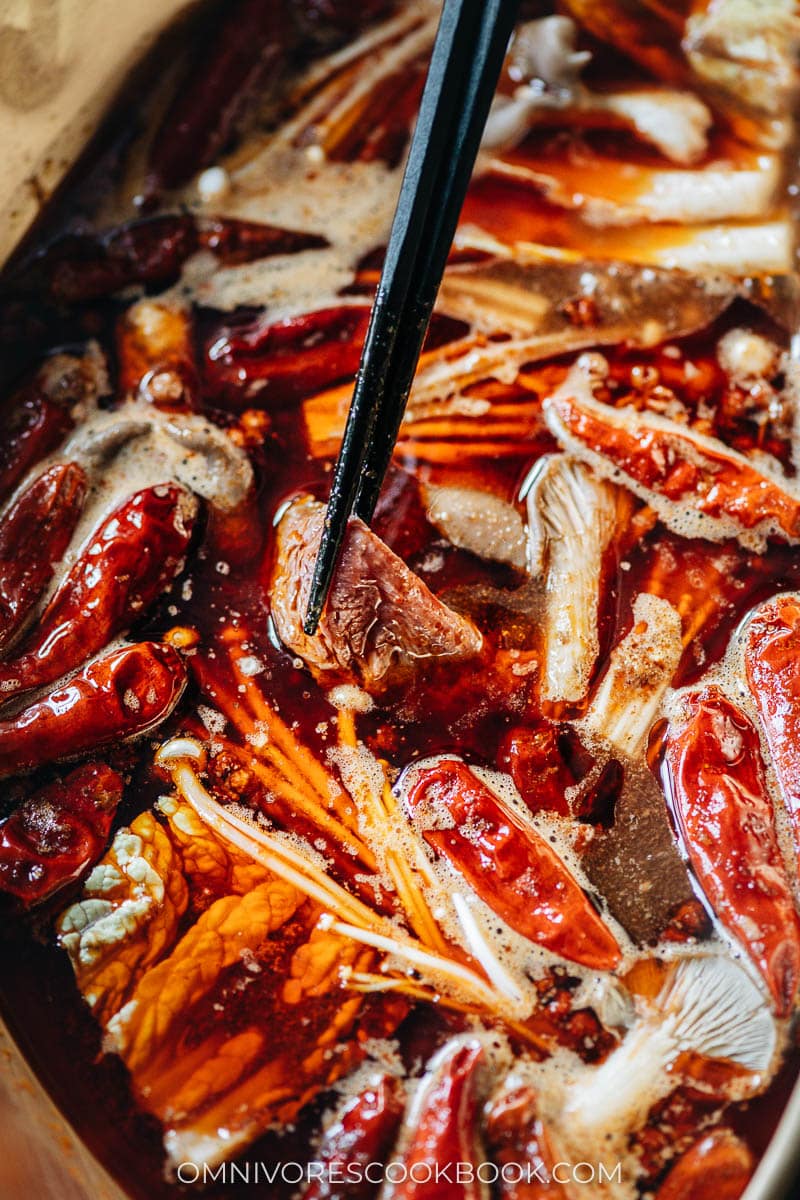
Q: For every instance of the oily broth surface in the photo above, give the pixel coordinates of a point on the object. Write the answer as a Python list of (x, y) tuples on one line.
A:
[(351, 204)]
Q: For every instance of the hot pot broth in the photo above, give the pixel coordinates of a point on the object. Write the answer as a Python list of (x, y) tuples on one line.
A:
[(455, 851)]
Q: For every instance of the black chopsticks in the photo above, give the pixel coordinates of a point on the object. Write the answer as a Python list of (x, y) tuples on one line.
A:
[(468, 54)]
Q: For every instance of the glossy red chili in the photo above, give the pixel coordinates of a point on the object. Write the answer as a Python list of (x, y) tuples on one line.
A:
[(37, 418), (79, 268), (719, 1161), (444, 1143), (718, 789), (122, 695), (34, 535), (533, 759), (129, 562), (511, 867), (353, 1150), (285, 360), (772, 663), (82, 267), (246, 47), (58, 832), (235, 242)]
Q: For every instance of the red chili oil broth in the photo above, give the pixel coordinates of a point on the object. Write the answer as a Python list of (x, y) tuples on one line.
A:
[(447, 710)]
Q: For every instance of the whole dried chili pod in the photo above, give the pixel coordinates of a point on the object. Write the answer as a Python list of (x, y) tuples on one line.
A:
[(38, 416), (123, 695), (245, 49), (289, 359), (235, 242), (510, 866), (772, 663), (34, 535), (273, 363), (534, 760), (354, 1147), (58, 832), (82, 267), (444, 1143), (720, 1160), (723, 811), (130, 560)]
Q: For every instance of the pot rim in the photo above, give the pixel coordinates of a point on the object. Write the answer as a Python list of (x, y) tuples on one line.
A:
[(780, 1162)]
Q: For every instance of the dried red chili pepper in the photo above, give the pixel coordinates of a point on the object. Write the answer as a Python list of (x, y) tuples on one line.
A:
[(58, 832), (236, 242), (520, 1147), (359, 1142), (284, 361), (131, 559), (514, 870), (772, 662), (724, 815), (38, 417), (246, 48), (34, 536), (533, 759), (700, 473), (719, 1160), (122, 695), (445, 1132), (83, 267), (273, 363)]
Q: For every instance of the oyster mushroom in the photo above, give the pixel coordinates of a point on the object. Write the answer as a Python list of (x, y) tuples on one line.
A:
[(478, 521), (708, 1007), (208, 461), (158, 446), (573, 518), (102, 438)]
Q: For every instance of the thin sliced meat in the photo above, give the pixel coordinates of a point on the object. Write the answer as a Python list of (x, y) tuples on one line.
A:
[(380, 619)]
